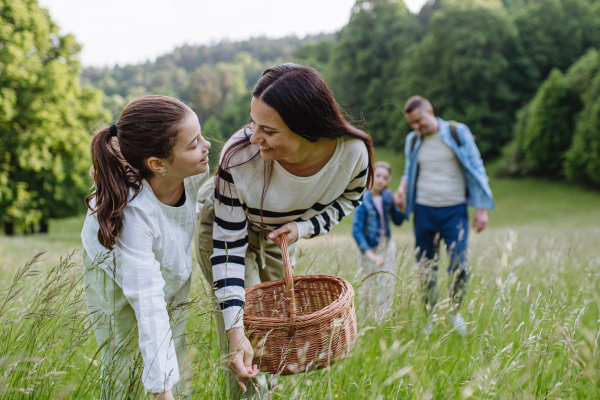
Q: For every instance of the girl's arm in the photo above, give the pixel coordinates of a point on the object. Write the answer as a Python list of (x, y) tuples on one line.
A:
[(230, 241), (143, 286), (395, 213)]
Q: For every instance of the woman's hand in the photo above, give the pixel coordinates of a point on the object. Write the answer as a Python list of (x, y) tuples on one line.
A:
[(168, 395), (375, 259), (292, 233), (241, 363)]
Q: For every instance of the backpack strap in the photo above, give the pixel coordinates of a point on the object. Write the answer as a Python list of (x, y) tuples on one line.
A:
[(414, 141), (453, 132)]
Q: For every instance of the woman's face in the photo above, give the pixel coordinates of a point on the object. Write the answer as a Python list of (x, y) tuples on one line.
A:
[(381, 179), (190, 154), (275, 139)]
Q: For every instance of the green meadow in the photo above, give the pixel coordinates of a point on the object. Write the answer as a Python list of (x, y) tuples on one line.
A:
[(533, 309)]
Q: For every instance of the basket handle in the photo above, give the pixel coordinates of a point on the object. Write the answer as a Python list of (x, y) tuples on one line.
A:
[(289, 281)]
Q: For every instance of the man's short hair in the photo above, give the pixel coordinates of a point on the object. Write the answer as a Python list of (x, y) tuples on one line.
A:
[(417, 102)]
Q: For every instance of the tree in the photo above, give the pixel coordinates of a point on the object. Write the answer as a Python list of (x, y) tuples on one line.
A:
[(473, 69), (45, 116), (555, 33), (583, 158), (365, 64), (549, 129)]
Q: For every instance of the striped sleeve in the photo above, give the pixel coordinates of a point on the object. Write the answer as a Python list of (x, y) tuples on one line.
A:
[(351, 198), (230, 241)]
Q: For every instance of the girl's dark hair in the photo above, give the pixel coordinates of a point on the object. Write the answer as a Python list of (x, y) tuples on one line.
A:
[(148, 127), (304, 102)]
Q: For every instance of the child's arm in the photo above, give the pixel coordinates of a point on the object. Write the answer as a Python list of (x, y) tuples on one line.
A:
[(394, 211), (143, 286), (396, 214)]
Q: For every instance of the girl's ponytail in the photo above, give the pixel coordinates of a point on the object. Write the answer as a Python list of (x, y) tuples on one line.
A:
[(113, 177), (148, 127)]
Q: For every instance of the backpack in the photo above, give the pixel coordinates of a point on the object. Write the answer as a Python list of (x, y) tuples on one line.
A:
[(452, 132)]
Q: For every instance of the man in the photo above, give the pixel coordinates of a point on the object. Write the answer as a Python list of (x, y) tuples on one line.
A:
[(443, 175)]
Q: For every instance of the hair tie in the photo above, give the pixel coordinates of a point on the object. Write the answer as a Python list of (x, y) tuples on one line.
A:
[(113, 130)]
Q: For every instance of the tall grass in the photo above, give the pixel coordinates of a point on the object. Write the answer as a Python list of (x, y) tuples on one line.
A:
[(532, 308)]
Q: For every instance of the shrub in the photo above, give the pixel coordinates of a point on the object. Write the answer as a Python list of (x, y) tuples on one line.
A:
[(549, 129)]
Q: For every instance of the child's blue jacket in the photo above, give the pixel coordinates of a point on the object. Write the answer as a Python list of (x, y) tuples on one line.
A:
[(479, 194), (366, 225)]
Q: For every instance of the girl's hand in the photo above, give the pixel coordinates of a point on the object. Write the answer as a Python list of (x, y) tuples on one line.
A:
[(292, 233), (241, 363), (375, 259), (168, 395)]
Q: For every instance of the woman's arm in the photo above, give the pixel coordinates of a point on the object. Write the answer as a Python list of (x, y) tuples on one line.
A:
[(350, 199), (143, 286), (230, 241)]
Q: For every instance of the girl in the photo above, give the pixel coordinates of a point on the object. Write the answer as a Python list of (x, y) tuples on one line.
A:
[(371, 230), (298, 168), (147, 169)]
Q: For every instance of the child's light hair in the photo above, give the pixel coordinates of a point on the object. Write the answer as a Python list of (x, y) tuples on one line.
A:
[(384, 165)]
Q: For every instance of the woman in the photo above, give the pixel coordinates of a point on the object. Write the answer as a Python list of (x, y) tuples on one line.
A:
[(147, 169), (371, 230), (298, 169)]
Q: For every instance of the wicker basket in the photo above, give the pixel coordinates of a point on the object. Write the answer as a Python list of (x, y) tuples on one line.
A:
[(300, 330)]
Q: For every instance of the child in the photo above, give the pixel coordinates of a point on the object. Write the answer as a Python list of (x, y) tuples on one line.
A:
[(371, 230), (137, 257)]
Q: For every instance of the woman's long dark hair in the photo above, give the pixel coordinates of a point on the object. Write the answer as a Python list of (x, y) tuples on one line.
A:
[(147, 128), (304, 102)]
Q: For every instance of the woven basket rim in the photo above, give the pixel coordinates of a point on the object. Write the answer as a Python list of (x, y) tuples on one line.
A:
[(347, 290)]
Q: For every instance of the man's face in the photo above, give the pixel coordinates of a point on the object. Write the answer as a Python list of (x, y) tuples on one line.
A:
[(422, 121)]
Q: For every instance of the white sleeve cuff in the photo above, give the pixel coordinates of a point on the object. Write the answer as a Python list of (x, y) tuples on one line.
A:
[(304, 229), (233, 317)]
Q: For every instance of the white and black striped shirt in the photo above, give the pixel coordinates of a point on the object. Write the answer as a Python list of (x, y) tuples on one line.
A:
[(316, 203)]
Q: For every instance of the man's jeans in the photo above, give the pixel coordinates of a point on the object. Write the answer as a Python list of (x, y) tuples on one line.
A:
[(451, 224)]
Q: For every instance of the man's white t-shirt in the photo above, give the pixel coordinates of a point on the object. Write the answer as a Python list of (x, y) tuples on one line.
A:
[(441, 181)]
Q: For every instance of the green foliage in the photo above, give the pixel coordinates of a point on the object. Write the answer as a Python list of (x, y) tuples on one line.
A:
[(555, 33), (512, 161), (315, 55), (472, 68), (556, 134), (211, 79), (549, 128), (365, 65), (583, 158), (45, 116)]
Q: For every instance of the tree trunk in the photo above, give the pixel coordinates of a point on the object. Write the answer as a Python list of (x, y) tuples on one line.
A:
[(44, 226), (9, 228)]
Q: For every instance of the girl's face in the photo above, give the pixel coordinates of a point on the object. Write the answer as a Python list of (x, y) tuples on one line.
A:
[(381, 179), (190, 154), (275, 139)]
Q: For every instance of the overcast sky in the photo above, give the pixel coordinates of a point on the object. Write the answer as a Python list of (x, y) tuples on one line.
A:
[(133, 31)]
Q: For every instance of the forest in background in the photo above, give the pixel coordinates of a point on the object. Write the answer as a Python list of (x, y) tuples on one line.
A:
[(524, 75), (478, 61)]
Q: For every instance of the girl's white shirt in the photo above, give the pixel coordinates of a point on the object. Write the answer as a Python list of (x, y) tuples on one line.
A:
[(151, 261)]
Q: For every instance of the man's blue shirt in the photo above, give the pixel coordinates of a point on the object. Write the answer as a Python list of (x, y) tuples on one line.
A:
[(479, 194)]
